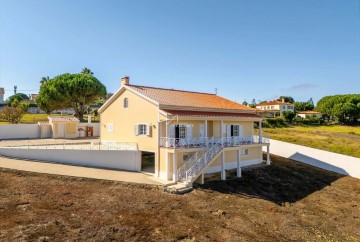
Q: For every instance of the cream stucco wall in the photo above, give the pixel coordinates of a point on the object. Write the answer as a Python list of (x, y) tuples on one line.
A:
[(123, 120)]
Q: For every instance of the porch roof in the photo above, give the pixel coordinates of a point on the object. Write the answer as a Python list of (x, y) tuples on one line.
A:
[(198, 114)]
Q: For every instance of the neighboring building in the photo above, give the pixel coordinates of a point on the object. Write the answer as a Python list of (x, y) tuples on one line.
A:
[(274, 108), (63, 126), (186, 133), (33, 97), (2, 93), (308, 114)]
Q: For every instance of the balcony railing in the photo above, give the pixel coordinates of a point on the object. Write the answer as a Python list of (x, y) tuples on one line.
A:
[(200, 142)]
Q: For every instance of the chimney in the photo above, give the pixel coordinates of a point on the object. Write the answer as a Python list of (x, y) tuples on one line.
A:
[(283, 100), (125, 80)]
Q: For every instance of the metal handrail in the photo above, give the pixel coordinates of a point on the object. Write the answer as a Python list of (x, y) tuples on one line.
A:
[(199, 142), (41, 145), (205, 159)]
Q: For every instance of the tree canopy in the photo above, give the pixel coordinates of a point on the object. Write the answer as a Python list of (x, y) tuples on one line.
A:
[(18, 96), (303, 106), (87, 71), (76, 91), (346, 108), (286, 99)]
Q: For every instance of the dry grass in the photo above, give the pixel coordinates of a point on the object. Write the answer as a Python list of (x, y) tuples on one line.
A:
[(339, 139)]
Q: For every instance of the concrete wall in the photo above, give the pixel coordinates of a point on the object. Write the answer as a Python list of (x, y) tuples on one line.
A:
[(343, 164), (32, 131), (19, 131), (114, 159)]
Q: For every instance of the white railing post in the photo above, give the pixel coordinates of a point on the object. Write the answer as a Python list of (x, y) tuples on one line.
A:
[(260, 132)]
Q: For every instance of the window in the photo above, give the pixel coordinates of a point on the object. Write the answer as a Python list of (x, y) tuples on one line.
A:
[(182, 132), (284, 107), (126, 102), (245, 151), (110, 127), (142, 129), (234, 130), (187, 156)]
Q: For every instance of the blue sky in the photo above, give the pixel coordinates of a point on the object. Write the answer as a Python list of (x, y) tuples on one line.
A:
[(246, 49)]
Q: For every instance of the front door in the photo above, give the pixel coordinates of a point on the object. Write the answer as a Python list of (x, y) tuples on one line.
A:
[(202, 130)]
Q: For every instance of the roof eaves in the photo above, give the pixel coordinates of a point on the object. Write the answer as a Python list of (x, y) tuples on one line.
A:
[(111, 100), (222, 110)]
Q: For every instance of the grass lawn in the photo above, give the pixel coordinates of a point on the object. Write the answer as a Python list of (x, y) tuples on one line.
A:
[(339, 139)]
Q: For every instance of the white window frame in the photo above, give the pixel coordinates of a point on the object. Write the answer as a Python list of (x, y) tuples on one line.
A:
[(142, 129), (126, 103), (182, 132), (110, 127), (245, 152)]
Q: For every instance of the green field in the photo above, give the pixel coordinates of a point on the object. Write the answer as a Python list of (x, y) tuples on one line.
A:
[(339, 139), (29, 118)]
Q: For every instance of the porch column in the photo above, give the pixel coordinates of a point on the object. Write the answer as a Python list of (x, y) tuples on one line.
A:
[(167, 166), (167, 143), (260, 132), (223, 172), (200, 179), (268, 155), (221, 132), (238, 163), (206, 133), (175, 178)]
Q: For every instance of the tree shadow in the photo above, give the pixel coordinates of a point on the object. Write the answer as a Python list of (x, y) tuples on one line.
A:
[(285, 180)]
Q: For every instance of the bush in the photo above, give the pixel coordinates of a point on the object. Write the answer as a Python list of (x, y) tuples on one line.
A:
[(271, 121), (280, 121), (12, 114)]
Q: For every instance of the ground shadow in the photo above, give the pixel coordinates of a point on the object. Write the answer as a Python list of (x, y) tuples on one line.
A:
[(284, 181)]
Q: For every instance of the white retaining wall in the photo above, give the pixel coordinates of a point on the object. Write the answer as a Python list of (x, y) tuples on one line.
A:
[(343, 164), (32, 131), (19, 131), (114, 159)]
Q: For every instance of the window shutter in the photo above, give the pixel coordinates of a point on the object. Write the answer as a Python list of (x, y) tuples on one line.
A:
[(188, 134), (171, 132), (136, 129), (148, 130), (228, 130), (223, 131), (241, 131)]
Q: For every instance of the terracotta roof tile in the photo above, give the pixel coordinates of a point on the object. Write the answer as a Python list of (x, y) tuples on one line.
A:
[(309, 112), (273, 103), (63, 119), (178, 98), (210, 114)]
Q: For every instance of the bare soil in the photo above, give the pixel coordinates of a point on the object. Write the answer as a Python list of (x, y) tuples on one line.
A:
[(286, 201)]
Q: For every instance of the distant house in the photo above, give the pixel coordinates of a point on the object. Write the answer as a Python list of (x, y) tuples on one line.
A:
[(33, 97), (2, 92), (274, 108), (307, 114)]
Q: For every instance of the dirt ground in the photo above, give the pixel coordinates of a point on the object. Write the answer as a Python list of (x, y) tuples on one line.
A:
[(286, 201)]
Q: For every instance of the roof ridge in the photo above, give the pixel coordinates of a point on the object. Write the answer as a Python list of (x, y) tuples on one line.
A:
[(170, 89)]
